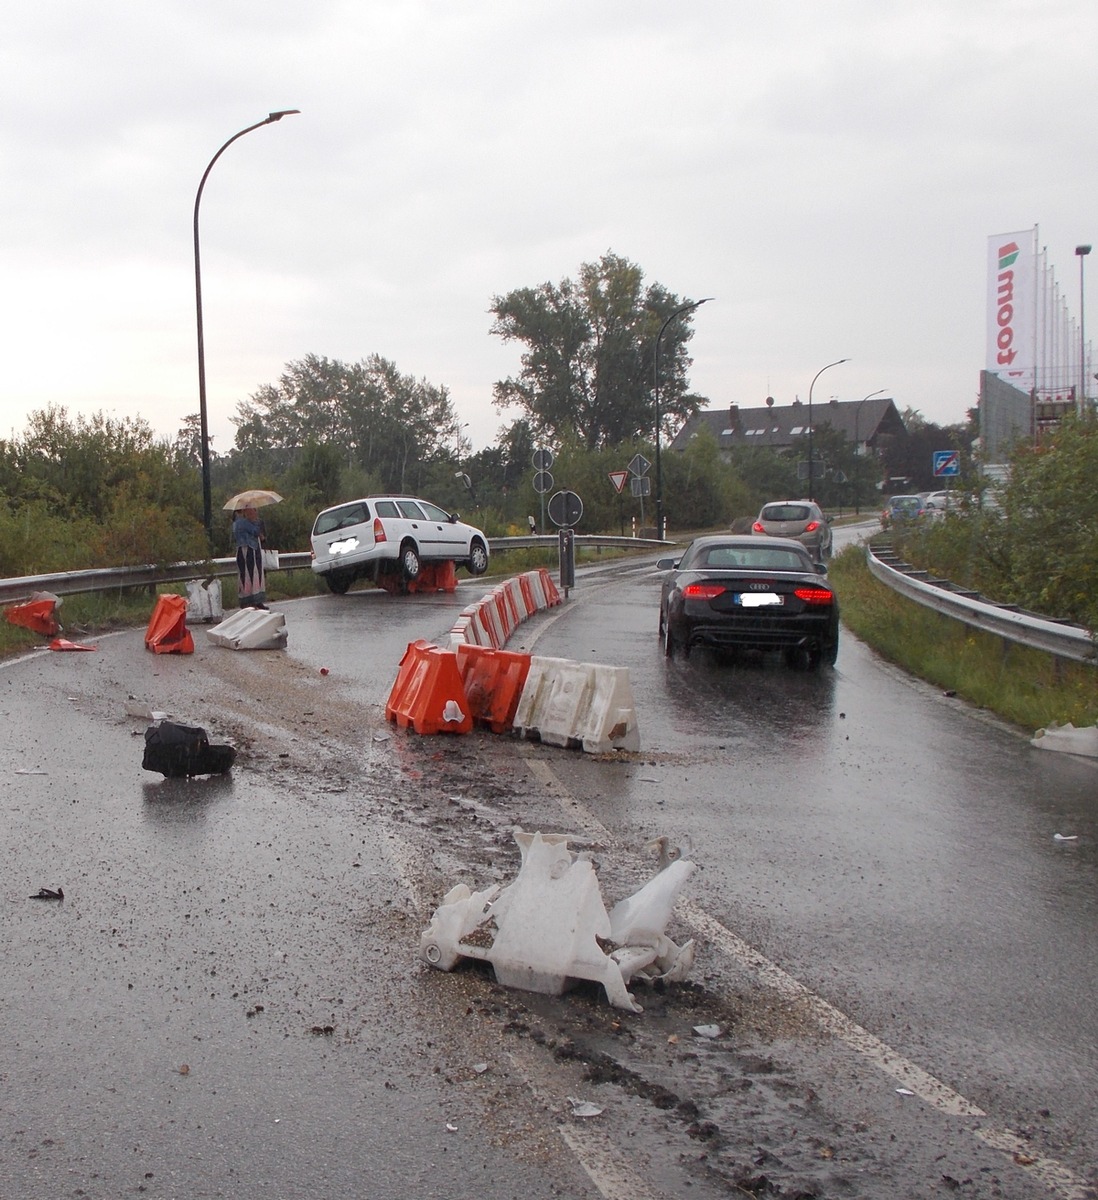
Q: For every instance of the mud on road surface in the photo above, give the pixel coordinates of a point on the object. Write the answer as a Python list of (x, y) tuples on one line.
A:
[(229, 1002)]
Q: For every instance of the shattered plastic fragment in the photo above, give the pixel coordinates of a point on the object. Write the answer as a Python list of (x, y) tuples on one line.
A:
[(583, 1108), (550, 928), (707, 1031), (1065, 837), (451, 711), (905, 1092)]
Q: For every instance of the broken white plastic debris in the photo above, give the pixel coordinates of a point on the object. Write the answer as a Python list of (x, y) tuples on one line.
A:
[(1068, 739), (707, 1031), (451, 711), (905, 1091), (583, 1108), (550, 928), (1065, 837)]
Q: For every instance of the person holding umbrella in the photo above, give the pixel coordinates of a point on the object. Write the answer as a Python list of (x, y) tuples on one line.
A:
[(248, 536)]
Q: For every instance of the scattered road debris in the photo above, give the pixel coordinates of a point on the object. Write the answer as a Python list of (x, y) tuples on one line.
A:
[(550, 927), (48, 894), (583, 1108)]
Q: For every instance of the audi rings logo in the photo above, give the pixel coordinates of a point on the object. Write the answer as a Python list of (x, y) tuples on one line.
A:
[(758, 587)]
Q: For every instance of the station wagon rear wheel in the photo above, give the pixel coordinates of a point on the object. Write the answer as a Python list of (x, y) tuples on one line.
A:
[(409, 561)]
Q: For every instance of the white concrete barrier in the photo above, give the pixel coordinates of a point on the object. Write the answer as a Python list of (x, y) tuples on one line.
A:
[(578, 705)]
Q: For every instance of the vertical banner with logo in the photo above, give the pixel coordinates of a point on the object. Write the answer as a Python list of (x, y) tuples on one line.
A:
[(1012, 308)]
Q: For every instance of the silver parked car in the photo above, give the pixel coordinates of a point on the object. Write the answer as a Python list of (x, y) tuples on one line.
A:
[(800, 519), (391, 534)]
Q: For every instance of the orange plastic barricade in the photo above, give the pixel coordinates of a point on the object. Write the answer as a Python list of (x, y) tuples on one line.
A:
[(432, 577), (167, 632), (493, 681), (526, 590), (508, 610), (428, 695), (36, 614), (552, 596)]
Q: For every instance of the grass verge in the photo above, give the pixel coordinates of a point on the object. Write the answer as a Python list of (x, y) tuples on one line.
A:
[(1026, 687)]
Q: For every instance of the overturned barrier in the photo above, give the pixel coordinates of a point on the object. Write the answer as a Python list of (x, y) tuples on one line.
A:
[(250, 629), (550, 928)]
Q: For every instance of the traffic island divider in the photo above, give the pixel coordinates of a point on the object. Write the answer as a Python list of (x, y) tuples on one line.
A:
[(474, 680)]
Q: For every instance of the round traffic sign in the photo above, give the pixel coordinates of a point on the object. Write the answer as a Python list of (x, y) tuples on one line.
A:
[(565, 508), (543, 481), (543, 460)]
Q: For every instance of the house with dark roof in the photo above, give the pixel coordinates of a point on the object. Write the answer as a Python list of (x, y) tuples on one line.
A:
[(866, 425)]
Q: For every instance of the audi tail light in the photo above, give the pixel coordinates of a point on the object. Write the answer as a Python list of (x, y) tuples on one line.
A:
[(703, 591), (814, 595)]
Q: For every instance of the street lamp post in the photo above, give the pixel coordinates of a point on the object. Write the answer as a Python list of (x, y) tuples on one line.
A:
[(810, 387), (204, 428), (1082, 252), (656, 382), (857, 414)]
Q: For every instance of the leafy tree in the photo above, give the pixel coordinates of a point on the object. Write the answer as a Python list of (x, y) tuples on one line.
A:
[(589, 359), (381, 422)]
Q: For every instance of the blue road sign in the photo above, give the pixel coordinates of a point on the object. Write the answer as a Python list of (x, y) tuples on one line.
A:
[(946, 462)]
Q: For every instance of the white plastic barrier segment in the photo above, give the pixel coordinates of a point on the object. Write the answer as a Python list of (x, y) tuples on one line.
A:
[(250, 629), (548, 928), (578, 705), (1068, 739), (204, 600)]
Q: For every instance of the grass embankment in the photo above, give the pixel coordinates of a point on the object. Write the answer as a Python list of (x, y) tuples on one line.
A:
[(1026, 687)]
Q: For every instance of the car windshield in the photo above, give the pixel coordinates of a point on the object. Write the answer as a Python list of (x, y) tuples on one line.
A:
[(751, 558), (906, 503), (786, 512)]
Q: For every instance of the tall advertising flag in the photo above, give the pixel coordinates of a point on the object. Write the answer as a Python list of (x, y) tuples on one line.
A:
[(1012, 308)]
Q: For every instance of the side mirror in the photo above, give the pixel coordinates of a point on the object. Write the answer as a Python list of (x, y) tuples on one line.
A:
[(821, 568), (666, 564), (454, 518)]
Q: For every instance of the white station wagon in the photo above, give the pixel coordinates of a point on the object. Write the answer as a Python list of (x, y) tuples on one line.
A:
[(391, 534)]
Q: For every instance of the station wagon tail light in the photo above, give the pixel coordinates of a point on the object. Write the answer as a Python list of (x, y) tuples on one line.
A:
[(703, 591), (814, 595), (379, 530), (758, 527), (812, 526)]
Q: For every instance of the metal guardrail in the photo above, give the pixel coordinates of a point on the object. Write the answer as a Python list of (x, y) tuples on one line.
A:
[(1062, 638), (109, 579)]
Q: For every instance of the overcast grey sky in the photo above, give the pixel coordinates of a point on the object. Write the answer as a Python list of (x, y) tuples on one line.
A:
[(828, 170)]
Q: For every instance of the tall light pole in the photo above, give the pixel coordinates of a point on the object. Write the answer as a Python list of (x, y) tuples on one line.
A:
[(685, 308), (810, 387), (857, 414), (204, 427), (1081, 400)]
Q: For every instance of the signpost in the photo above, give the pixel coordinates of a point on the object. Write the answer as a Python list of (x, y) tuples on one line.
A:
[(565, 510), (543, 481)]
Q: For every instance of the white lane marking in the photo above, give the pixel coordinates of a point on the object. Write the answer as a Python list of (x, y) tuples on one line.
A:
[(1053, 1174), (592, 1148)]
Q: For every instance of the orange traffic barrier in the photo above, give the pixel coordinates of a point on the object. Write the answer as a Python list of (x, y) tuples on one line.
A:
[(508, 609), (36, 614), (493, 681), (428, 695), (552, 596), (526, 590), (167, 632), (432, 577)]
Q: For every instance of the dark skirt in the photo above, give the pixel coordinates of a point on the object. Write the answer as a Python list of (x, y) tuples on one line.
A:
[(250, 585)]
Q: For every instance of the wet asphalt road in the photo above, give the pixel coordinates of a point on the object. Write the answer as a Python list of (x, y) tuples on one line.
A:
[(227, 1002)]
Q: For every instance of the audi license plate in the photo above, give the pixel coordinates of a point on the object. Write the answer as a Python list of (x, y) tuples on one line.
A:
[(758, 599)]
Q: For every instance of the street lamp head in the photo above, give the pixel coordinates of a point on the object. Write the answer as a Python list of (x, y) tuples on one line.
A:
[(277, 116), (1081, 250)]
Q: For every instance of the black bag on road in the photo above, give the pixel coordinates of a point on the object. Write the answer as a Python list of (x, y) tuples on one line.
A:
[(180, 750)]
